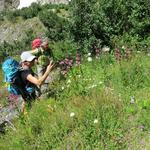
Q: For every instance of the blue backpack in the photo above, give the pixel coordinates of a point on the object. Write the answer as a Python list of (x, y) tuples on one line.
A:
[(12, 73), (10, 68)]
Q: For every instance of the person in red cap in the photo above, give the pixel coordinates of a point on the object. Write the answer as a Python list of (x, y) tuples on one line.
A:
[(36, 43), (44, 55)]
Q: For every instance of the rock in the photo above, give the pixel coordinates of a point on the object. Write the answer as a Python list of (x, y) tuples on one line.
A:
[(8, 4), (17, 31), (13, 4), (54, 1)]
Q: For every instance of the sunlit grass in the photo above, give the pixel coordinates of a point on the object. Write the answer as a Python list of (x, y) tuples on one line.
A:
[(98, 106)]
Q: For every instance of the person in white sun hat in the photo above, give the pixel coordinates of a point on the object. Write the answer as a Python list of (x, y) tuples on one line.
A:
[(28, 76)]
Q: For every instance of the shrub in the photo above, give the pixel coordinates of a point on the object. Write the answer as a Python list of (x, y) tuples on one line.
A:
[(105, 20), (56, 26)]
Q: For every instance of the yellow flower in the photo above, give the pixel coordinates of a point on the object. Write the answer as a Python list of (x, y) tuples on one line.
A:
[(25, 113), (50, 109)]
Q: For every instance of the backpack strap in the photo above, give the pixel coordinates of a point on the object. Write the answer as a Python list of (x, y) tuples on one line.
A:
[(23, 90)]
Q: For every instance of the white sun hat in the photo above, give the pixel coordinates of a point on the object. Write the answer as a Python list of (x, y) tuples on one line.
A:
[(26, 56)]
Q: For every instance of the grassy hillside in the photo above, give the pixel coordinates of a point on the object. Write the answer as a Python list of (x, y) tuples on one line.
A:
[(103, 104)]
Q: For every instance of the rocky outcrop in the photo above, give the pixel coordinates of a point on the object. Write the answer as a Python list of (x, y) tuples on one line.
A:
[(2, 5), (17, 31), (9, 4), (54, 1), (13, 4)]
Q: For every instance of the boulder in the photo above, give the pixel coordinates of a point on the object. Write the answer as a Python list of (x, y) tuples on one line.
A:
[(8, 4), (17, 31)]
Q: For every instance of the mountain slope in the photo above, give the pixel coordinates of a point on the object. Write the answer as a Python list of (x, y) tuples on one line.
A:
[(17, 31)]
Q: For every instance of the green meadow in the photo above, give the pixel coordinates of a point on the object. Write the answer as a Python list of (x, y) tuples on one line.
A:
[(102, 104)]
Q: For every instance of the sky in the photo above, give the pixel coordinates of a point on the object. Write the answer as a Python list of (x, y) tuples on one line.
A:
[(25, 3)]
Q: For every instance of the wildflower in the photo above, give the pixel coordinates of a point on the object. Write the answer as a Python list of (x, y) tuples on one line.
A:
[(117, 54), (123, 47), (142, 127), (72, 114), (89, 59), (148, 54), (64, 72), (105, 49), (127, 53), (53, 10), (62, 62), (78, 59), (97, 51), (79, 75), (89, 54), (50, 108), (92, 86), (69, 81), (25, 113), (62, 88), (100, 82), (95, 121), (132, 100)]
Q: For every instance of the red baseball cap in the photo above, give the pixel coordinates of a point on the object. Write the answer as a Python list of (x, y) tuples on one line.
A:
[(36, 43)]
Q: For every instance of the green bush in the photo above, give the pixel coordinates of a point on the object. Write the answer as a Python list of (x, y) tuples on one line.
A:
[(56, 26), (105, 20), (31, 11)]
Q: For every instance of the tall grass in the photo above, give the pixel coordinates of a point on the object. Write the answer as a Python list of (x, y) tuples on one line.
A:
[(102, 104)]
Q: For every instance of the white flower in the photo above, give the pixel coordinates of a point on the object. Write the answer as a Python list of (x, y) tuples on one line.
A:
[(138, 52), (132, 100), (72, 114), (92, 86), (53, 10), (89, 59), (79, 75), (95, 121), (105, 49), (123, 47), (69, 81), (89, 54), (148, 54), (100, 82), (62, 88), (49, 106)]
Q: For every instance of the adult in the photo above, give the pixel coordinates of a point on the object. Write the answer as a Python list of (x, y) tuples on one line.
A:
[(41, 50), (44, 55), (29, 80)]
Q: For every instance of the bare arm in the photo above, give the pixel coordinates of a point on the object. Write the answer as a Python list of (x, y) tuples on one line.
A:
[(41, 80), (34, 51)]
